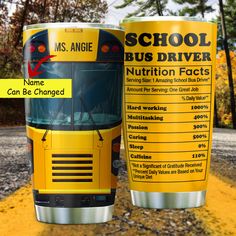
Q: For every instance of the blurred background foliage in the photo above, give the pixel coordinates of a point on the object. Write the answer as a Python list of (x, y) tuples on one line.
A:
[(222, 88)]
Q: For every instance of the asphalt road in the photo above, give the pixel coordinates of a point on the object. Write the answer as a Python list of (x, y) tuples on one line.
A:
[(223, 161), (14, 165)]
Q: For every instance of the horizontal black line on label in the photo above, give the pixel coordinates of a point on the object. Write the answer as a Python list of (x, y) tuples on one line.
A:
[(166, 103), (144, 85), (206, 131), (72, 155), (144, 94), (72, 180), (166, 65), (167, 112), (72, 162), (72, 168), (72, 174), (170, 161), (155, 122), (170, 151), (170, 142)]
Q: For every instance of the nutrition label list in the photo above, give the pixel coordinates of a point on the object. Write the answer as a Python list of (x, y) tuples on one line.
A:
[(167, 117)]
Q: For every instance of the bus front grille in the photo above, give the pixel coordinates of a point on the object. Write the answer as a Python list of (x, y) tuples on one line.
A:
[(72, 168)]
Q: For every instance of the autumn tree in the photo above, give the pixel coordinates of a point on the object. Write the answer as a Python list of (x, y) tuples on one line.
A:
[(229, 65), (145, 8), (222, 88), (3, 14), (4, 48), (194, 7)]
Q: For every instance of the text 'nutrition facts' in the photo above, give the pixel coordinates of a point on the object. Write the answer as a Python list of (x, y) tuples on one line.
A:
[(167, 119)]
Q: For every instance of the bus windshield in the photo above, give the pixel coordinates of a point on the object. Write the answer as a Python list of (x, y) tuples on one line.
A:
[(96, 103)]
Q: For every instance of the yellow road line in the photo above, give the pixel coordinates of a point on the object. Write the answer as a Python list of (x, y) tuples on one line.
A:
[(17, 215), (17, 219), (219, 214)]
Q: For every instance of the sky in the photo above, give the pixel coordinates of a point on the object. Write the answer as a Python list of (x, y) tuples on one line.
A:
[(114, 15)]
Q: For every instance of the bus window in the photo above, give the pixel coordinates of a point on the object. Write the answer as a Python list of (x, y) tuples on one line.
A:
[(48, 112), (95, 102), (52, 113)]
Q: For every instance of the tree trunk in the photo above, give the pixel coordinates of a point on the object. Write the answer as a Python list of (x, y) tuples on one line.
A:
[(202, 8), (229, 67), (43, 11), (56, 10), (24, 14), (64, 11), (216, 114), (159, 8)]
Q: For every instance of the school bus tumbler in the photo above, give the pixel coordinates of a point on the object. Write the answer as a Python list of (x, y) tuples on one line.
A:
[(74, 142), (168, 109)]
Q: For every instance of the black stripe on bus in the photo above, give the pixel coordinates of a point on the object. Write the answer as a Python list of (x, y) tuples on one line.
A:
[(72, 174), (72, 162), (72, 180), (72, 155), (72, 167)]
